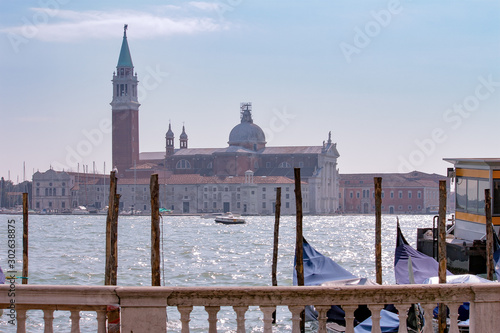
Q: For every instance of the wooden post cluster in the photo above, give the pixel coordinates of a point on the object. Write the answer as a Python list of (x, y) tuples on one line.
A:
[(442, 251), (25, 238), (154, 189), (378, 228), (110, 276)]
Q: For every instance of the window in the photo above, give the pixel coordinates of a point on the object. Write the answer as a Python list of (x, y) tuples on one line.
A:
[(214, 205), (284, 165), (263, 189), (287, 189), (392, 194), (301, 164), (226, 189), (400, 194), (350, 195), (264, 205), (287, 204), (263, 196), (238, 204), (38, 205), (183, 164), (419, 194), (409, 194), (268, 164), (470, 195), (37, 192), (287, 196), (357, 195)]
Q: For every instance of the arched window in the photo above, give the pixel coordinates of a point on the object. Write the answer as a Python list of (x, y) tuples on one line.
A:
[(284, 165), (183, 164)]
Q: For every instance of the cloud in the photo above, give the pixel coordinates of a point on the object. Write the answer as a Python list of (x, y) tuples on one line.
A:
[(206, 6), (57, 25)]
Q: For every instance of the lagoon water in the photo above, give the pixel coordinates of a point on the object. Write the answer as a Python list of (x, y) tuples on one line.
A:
[(69, 250)]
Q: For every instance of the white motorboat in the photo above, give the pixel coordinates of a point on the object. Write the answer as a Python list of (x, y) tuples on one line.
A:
[(229, 218)]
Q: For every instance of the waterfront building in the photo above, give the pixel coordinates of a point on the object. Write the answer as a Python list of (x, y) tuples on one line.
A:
[(402, 193), (52, 191)]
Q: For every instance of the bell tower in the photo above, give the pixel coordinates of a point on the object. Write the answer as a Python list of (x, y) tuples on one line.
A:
[(125, 112)]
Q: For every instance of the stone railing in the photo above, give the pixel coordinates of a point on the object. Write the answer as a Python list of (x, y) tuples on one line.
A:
[(143, 309)]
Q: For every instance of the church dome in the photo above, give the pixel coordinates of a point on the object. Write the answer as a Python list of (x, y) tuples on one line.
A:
[(247, 134)]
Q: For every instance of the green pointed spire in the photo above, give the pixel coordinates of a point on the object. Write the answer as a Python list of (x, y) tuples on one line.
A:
[(125, 60)]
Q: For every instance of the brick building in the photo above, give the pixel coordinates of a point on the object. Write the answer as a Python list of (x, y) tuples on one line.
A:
[(409, 193)]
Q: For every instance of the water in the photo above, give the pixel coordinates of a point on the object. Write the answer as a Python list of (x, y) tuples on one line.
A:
[(69, 250)]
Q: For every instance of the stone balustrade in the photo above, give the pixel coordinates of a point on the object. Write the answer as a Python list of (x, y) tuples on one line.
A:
[(144, 309)]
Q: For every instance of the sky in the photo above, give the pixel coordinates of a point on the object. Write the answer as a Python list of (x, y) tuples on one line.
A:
[(400, 84)]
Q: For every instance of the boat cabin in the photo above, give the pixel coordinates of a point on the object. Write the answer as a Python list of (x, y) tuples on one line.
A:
[(471, 177)]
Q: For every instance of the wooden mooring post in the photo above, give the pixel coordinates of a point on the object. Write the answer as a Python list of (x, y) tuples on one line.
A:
[(442, 252), (490, 266), (277, 213), (378, 228), (299, 247), (111, 221), (25, 238), (154, 189)]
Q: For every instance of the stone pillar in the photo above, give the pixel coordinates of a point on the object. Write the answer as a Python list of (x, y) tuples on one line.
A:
[(485, 309), (143, 314)]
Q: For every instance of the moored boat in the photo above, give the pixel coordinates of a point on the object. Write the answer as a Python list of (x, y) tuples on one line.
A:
[(80, 210)]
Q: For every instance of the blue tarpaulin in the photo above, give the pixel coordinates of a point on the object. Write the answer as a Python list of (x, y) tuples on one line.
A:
[(421, 268), (389, 322), (319, 269)]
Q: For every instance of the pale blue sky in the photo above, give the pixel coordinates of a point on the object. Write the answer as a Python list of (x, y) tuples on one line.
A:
[(382, 76)]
